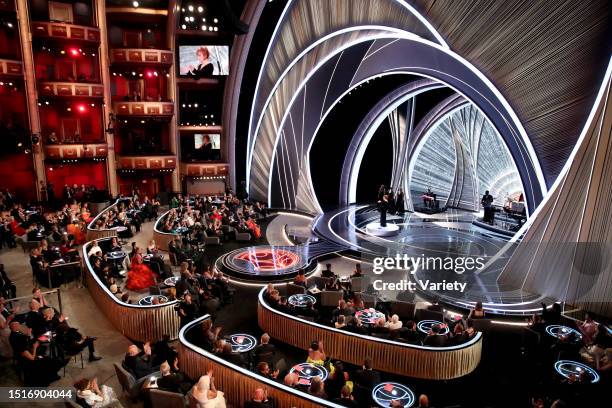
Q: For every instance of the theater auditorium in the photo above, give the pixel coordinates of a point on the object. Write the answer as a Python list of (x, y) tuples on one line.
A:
[(305, 203)]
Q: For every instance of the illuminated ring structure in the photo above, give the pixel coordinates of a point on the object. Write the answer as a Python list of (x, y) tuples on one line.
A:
[(566, 368), (557, 330), (265, 263), (242, 343), (386, 392), (171, 281), (299, 300), (425, 326), (308, 371)]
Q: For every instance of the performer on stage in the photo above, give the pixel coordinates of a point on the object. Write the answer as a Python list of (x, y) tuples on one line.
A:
[(140, 275), (383, 206), (381, 192), (391, 200), (487, 204)]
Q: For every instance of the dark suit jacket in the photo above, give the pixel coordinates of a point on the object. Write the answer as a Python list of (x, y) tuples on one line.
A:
[(437, 340), (173, 382), (367, 378), (265, 352)]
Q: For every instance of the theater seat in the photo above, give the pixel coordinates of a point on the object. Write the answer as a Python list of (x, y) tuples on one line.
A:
[(166, 399), (129, 385)]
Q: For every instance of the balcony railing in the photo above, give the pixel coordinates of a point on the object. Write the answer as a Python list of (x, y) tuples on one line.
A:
[(141, 56), (71, 89), (54, 30), (143, 108), (146, 162), (75, 151), (11, 68), (204, 169)]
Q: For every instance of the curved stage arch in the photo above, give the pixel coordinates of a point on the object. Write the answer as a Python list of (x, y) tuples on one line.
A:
[(432, 363)]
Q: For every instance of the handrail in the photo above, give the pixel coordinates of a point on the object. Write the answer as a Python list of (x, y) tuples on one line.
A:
[(137, 322), (94, 233), (59, 297), (236, 382), (439, 363), (162, 239)]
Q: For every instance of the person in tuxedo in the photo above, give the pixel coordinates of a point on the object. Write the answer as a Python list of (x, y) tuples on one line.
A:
[(366, 377), (139, 363), (487, 204), (383, 207), (265, 351), (434, 338), (205, 66), (172, 380)]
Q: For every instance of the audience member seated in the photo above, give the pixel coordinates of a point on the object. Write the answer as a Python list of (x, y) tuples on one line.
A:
[(93, 395), (139, 363), (265, 351), (39, 370), (346, 398), (317, 388), (477, 312), (366, 376), (171, 379), (260, 399), (434, 338), (264, 370)]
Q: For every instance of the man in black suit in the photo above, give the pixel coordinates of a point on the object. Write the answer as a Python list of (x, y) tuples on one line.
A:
[(265, 351), (435, 339), (328, 273), (345, 399), (139, 363), (366, 377), (172, 381)]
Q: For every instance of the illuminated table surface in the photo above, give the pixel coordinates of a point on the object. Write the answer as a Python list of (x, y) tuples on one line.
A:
[(369, 316), (307, 371), (425, 326), (242, 343), (299, 300), (148, 300), (386, 392), (568, 368)]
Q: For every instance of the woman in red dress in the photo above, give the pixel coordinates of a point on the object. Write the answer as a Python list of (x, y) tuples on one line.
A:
[(140, 276), (254, 228)]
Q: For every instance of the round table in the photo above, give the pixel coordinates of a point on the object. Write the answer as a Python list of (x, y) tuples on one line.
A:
[(561, 332), (119, 228), (148, 300), (369, 316), (171, 281), (116, 255), (181, 230), (425, 326), (386, 392), (567, 368), (307, 371), (300, 300), (242, 343)]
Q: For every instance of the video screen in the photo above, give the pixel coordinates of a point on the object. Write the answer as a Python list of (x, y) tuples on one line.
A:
[(206, 147), (202, 61)]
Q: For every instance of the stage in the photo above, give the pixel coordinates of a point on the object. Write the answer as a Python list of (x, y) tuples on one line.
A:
[(413, 237)]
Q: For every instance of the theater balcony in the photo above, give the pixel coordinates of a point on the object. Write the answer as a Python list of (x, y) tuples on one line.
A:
[(138, 56), (70, 89), (205, 171), (64, 31), (128, 163), (140, 108), (11, 69), (75, 151)]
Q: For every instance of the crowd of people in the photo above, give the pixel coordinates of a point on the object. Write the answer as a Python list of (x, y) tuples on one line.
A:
[(200, 217)]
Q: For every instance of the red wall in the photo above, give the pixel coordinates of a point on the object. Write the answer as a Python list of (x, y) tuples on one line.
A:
[(88, 173), (90, 120), (17, 174)]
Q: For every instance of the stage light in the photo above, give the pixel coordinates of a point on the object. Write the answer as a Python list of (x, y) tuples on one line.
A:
[(190, 7), (187, 18), (200, 9), (149, 74), (216, 28), (133, 73), (9, 25), (135, 4), (62, 52), (46, 102), (81, 108), (215, 20), (74, 52), (184, 27), (50, 168), (203, 28), (69, 109), (19, 144), (210, 28)]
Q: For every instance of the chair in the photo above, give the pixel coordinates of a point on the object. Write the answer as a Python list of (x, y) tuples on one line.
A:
[(424, 314), (74, 356), (405, 310), (359, 284), (330, 298), (293, 289), (166, 399), (243, 236), (211, 240), (129, 385), (368, 300), (318, 281)]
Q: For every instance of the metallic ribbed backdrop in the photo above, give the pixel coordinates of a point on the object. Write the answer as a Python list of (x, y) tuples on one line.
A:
[(546, 57)]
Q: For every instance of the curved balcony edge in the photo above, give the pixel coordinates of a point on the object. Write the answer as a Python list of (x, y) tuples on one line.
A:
[(236, 382), (137, 322), (432, 363)]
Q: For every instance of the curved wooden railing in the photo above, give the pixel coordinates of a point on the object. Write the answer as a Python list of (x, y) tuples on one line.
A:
[(93, 233), (162, 239), (432, 363), (236, 382), (140, 323)]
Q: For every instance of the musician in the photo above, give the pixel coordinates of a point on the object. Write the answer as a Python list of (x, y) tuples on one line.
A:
[(487, 204), (383, 206)]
